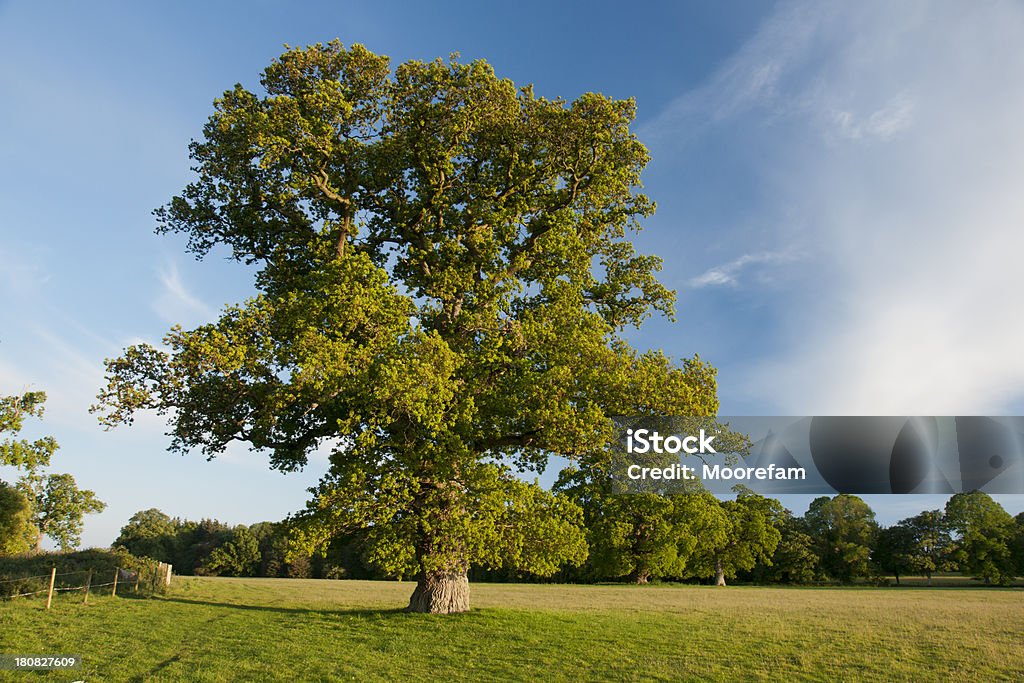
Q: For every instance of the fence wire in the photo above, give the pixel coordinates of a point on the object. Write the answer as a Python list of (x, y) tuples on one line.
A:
[(137, 579), (26, 578)]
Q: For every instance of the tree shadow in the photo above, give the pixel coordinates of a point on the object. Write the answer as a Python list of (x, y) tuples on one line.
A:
[(157, 669), (355, 611)]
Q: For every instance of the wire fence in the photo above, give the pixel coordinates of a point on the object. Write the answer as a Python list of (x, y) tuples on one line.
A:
[(154, 580)]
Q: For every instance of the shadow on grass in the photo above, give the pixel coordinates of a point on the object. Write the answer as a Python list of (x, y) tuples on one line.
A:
[(355, 612), (160, 667)]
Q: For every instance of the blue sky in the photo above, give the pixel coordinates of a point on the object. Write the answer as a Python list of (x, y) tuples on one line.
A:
[(838, 189)]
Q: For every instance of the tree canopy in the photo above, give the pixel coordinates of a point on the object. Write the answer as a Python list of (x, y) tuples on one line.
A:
[(983, 536), (443, 271), (43, 504), (17, 534), (22, 453), (844, 530), (58, 507), (752, 536)]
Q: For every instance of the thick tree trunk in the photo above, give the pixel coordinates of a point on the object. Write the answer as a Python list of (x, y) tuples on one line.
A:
[(640, 577), (440, 593), (719, 573)]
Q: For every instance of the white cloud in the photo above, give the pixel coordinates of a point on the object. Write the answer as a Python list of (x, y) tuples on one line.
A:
[(728, 274), (894, 130), (175, 303)]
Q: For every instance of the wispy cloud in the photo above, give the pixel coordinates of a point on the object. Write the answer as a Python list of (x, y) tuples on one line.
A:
[(882, 124), (754, 77), (175, 303), (728, 274), (791, 68), (906, 156)]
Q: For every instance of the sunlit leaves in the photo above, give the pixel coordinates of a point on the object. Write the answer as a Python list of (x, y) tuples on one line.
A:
[(444, 268)]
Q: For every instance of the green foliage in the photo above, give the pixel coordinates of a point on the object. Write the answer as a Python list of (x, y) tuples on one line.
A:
[(58, 507), (754, 533), (238, 556), (56, 504), (639, 536), (212, 547), (22, 453), (794, 559), (635, 536), (894, 552), (931, 542), (1017, 545), (194, 541), (180, 542), (844, 531), (704, 517), (983, 536), (732, 535), (72, 568), (17, 534), (444, 272), (149, 533)]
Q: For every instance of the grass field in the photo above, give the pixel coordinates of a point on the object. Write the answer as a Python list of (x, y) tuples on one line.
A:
[(308, 630)]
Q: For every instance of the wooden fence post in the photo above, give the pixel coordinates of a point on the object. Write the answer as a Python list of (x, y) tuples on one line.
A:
[(88, 585), (138, 575), (113, 591), (49, 596)]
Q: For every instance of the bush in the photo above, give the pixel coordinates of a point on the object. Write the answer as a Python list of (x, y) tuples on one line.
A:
[(72, 570)]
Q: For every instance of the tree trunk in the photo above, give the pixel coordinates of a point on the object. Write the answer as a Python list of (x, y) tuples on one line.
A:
[(719, 573), (929, 579), (897, 579), (640, 577), (440, 593), (39, 542)]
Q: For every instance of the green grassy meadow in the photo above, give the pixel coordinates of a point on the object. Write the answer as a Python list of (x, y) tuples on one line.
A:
[(217, 629)]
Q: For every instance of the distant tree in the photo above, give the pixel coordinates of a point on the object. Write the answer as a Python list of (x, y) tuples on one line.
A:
[(930, 533), (746, 533), (273, 546), (983, 534), (208, 546), (149, 533), (794, 559), (1017, 545), (635, 536), (238, 556), (196, 540), (275, 558), (58, 507), (17, 535), (843, 529), (57, 504), (894, 551)]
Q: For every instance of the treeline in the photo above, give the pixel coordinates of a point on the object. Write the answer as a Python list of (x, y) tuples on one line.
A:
[(695, 536), (641, 537), (209, 547)]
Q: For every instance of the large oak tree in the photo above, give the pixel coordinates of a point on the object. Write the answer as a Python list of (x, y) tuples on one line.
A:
[(444, 268)]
